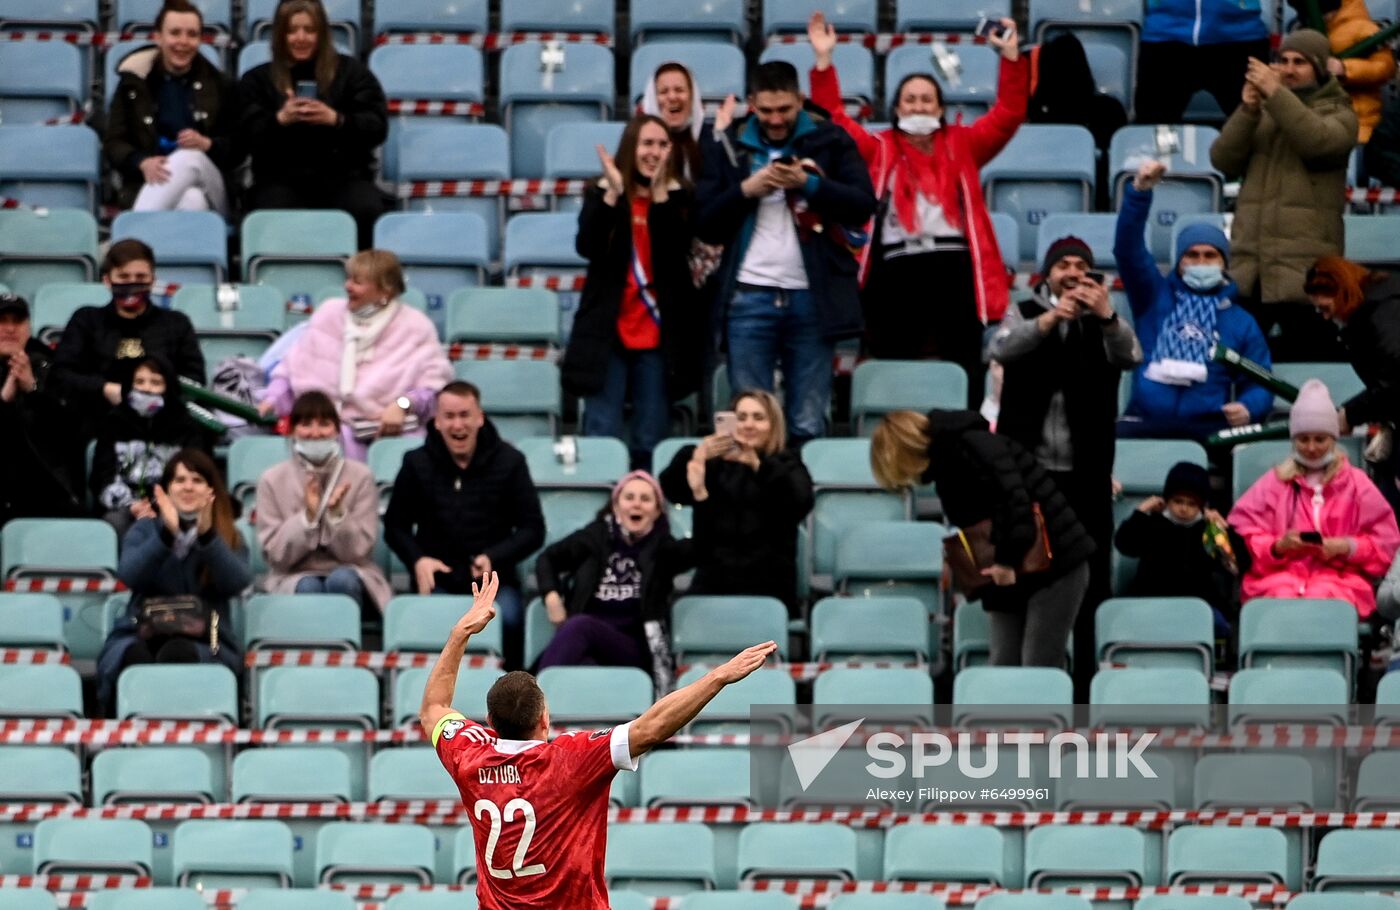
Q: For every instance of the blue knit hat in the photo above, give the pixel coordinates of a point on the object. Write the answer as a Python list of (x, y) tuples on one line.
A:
[(1202, 232)]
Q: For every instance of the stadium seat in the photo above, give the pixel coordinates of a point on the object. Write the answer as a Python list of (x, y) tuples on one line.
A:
[(469, 697), (425, 150), (1319, 695), (1045, 168), (1133, 696), (453, 900), (1340, 900), (1156, 632), (1032, 901), (420, 622), (982, 693), (409, 774), (1141, 465), (845, 15), (211, 855), (248, 458), (1191, 186), (250, 309), (718, 69), (845, 492), (56, 302), (31, 621), (344, 16), (143, 899), (565, 511), (888, 692), (1358, 861), (298, 899), (39, 81), (1095, 228), (723, 20), (291, 774), (40, 690), (50, 166), (1378, 783), (696, 777), (571, 153), (541, 239), (870, 628), (972, 636), (738, 900), (602, 695), (547, 15), (297, 251), (968, 854), (41, 774), (325, 621), (1341, 380), (140, 15), (355, 852), (1370, 239), (521, 397), (1114, 22), (729, 711), (191, 247), (432, 72), (503, 316), (1192, 902), (884, 558), (661, 859), (79, 846), (1255, 781), (37, 248), (601, 461), (797, 850), (440, 251), (1085, 856), (1008, 232), (881, 386), (1208, 854), (464, 857), (450, 16), (967, 95), (205, 692), (300, 697), (537, 92), (713, 629), (1132, 792), (945, 15), (1112, 77), (79, 548), (1295, 632)]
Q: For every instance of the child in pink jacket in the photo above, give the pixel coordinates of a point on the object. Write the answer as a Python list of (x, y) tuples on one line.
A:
[(1316, 525)]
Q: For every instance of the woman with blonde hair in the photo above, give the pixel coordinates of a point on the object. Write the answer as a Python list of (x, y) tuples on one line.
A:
[(749, 493), (377, 358), (981, 476)]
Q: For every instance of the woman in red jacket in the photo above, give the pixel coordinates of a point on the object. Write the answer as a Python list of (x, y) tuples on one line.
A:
[(932, 230)]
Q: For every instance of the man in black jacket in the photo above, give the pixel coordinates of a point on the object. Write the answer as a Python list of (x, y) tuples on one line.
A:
[(778, 190), (464, 506), (39, 471), (99, 343)]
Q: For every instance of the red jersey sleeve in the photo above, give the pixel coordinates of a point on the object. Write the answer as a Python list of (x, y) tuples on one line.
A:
[(601, 752)]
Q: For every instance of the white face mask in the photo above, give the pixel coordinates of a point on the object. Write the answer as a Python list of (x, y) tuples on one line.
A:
[(1181, 523), (317, 451), (1316, 464), (919, 124)]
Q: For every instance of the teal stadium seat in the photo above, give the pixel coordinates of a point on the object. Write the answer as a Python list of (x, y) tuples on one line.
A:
[(300, 697), (469, 697), (422, 622), (729, 711), (217, 854), (870, 628), (1208, 854), (1253, 460), (739, 900), (79, 548), (296, 251), (55, 303), (1342, 900), (291, 774), (31, 621), (520, 396), (882, 558), (81, 846), (1319, 695), (178, 692), (1141, 465), (530, 107), (696, 777), (661, 859), (353, 853), (145, 899), (1378, 783), (40, 81), (1160, 632), (447, 900), (595, 695), (170, 774), (1299, 633), (37, 248), (30, 899), (40, 690), (601, 460), (712, 629), (191, 247), (300, 899), (440, 251), (409, 774), (791, 16), (982, 693), (39, 774), (1258, 781), (815, 850), (889, 693), (427, 149), (1192, 902), (1045, 168), (322, 621), (248, 458), (1356, 860), (844, 493), (1031, 901), (970, 854), (1133, 695), (503, 316), (1085, 856), (50, 167), (570, 153), (881, 386)]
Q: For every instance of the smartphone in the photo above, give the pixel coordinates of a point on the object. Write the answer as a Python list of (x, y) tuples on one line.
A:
[(306, 88), (1312, 537), (725, 423), (989, 28), (1096, 277), (785, 159)]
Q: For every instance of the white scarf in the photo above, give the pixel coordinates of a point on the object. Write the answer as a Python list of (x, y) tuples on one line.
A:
[(360, 336)]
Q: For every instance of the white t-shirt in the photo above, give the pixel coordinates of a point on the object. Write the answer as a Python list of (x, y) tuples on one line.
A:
[(774, 259)]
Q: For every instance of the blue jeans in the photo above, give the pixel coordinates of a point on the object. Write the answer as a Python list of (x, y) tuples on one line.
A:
[(768, 327), (342, 580), (638, 377)]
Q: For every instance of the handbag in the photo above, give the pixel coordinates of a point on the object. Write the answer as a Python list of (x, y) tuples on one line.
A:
[(967, 551), (178, 615)]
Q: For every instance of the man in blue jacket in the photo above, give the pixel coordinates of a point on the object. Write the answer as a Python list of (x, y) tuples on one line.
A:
[(779, 189), (1179, 391), (1195, 45)]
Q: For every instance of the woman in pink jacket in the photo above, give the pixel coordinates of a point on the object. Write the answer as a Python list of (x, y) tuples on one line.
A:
[(378, 359), (932, 229), (1315, 525)]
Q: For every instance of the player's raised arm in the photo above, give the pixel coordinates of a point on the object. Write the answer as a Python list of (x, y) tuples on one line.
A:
[(442, 681), (663, 719)]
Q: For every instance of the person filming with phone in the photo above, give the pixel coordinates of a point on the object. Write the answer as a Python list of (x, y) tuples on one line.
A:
[(749, 493)]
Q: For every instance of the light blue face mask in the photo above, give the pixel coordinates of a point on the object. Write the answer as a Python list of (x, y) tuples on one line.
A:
[(317, 451), (1203, 277)]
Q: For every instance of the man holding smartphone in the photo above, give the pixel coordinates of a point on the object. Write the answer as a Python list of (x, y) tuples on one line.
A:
[(1063, 352)]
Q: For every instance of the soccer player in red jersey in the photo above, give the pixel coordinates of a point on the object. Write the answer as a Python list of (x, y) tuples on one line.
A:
[(539, 807)]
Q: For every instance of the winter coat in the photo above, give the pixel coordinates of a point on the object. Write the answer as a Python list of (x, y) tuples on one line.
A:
[(981, 475), (574, 565), (1383, 151), (1372, 339), (605, 240), (132, 118), (745, 532), (131, 451), (150, 568), (99, 344), (294, 549), (41, 468), (963, 148), (1173, 562), (1292, 153), (303, 153), (1367, 76), (454, 514), (1198, 22), (1351, 507), (841, 197), (1153, 296)]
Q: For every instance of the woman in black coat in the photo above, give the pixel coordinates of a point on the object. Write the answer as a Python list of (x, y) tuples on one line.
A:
[(312, 119), (638, 336), (750, 494), (980, 476)]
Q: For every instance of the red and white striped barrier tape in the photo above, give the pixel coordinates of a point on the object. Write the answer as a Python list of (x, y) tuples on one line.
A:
[(806, 672), (490, 41), (962, 894), (10, 656), (560, 282), (880, 43), (62, 585), (74, 882), (463, 351), (423, 107), (437, 189), (369, 660), (97, 39), (1383, 195), (76, 117)]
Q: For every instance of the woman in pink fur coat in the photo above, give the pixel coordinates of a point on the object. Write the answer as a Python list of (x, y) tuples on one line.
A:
[(378, 359), (1316, 525)]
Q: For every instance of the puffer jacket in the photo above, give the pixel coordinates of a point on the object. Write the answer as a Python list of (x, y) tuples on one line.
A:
[(1365, 76), (1198, 22), (1292, 152)]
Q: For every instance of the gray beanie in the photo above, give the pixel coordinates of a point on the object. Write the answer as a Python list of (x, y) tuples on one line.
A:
[(1312, 45)]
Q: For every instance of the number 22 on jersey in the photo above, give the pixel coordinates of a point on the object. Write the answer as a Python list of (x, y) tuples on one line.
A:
[(502, 816)]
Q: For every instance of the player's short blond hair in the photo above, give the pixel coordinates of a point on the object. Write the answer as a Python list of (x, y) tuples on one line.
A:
[(515, 705)]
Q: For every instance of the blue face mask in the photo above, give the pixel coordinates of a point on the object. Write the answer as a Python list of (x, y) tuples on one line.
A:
[(1203, 277)]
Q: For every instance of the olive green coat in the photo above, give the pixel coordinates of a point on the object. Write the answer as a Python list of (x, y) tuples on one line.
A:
[(1292, 153)]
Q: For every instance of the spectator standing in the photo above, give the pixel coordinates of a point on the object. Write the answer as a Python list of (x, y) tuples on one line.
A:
[(190, 547), (170, 128), (376, 357), (40, 470), (99, 343), (981, 475), (464, 506), (1366, 304), (1290, 140), (616, 574), (1364, 78), (1316, 526), (673, 97), (1382, 156), (934, 232), (318, 514), (1063, 90), (1189, 46), (1181, 392), (312, 118), (136, 441), (781, 190), (749, 493), (634, 337)]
